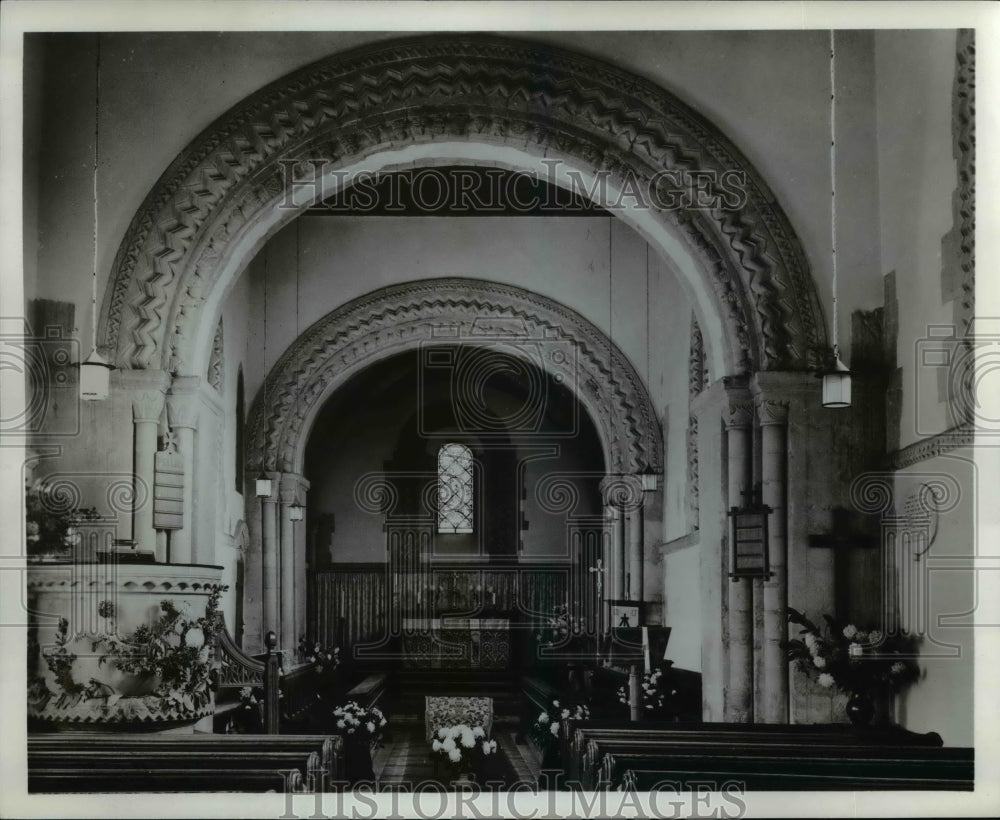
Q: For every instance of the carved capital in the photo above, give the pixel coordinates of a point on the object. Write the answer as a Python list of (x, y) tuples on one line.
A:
[(772, 412), (622, 491), (739, 414), (292, 488), (147, 406), (183, 407)]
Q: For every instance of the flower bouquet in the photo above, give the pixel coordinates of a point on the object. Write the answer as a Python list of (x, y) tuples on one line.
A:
[(324, 660), (247, 718), (857, 661), (545, 731), (362, 730), (355, 721), (462, 747), (656, 694)]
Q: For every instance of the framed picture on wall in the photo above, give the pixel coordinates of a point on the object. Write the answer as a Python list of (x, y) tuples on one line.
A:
[(625, 614)]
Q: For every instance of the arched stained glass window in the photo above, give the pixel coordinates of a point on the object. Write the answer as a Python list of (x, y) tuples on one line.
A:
[(454, 489)]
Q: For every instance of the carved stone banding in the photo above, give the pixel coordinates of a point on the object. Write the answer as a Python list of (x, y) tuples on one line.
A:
[(403, 317), (483, 89)]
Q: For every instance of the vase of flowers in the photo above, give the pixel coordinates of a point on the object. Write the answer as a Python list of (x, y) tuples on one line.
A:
[(248, 717), (860, 662), (657, 695), (550, 723), (361, 728), (461, 748), (326, 663)]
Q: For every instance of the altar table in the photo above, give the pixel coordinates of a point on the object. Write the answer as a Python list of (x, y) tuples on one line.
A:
[(456, 643), (451, 711)]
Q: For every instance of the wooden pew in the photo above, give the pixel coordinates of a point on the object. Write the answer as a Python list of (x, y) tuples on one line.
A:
[(769, 772), (192, 779), (670, 742), (158, 758)]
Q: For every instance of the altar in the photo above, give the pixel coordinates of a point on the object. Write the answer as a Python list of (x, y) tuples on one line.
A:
[(456, 643)]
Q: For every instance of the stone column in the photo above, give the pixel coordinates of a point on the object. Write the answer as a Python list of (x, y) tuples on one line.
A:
[(635, 547), (773, 417), (182, 412), (739, 695), (269, 558), (612, 566), (147, 389), (618, 554), (292, 488)]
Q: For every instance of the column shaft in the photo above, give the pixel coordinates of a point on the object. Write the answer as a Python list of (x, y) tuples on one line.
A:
[(269, 565), (182, 541), (773, 473), (618, 554), (739, 701), (635, 552), (286, 635), (144, 458)]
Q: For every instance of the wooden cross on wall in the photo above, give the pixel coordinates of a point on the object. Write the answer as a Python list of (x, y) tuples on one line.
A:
[(841, 535)]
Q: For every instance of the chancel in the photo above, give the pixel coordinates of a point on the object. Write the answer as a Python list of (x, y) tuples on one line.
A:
[(464, 421)]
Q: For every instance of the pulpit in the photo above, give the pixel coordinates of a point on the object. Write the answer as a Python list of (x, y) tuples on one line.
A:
[(456, 643)]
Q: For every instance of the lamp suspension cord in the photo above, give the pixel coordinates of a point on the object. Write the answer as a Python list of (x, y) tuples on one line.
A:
[(833, 188), (97, 133)]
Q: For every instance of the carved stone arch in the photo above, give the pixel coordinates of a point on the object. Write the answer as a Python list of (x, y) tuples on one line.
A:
[(469, 311), (219, 200)]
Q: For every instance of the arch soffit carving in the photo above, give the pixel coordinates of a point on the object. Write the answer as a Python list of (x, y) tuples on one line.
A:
[(402, 317), (475, 88)]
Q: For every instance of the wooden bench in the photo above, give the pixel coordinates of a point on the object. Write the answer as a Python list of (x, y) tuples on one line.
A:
[(576, 733), (674, 746), (766, 772), (62, 762)]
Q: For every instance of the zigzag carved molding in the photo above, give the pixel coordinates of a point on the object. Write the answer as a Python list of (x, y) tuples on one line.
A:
[(477, 88), (402, 317)]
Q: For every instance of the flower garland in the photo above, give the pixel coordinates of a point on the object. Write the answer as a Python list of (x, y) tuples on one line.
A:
[(174, 650), (852, 659)]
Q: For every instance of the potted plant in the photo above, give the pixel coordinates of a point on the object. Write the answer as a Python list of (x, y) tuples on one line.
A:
[(50, 529)]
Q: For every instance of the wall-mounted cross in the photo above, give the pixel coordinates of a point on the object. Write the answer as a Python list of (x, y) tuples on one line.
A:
[(841, 533)]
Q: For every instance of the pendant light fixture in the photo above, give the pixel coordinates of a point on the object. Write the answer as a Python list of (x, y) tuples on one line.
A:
[(837, 378), (95, 371)]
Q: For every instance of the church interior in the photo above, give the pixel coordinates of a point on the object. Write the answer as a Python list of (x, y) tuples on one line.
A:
[(500, 407)]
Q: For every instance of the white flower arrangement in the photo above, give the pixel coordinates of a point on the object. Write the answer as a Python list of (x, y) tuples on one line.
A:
[(352, 718), (653, 690), (546, 727), (852, 659), (461, 743)]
